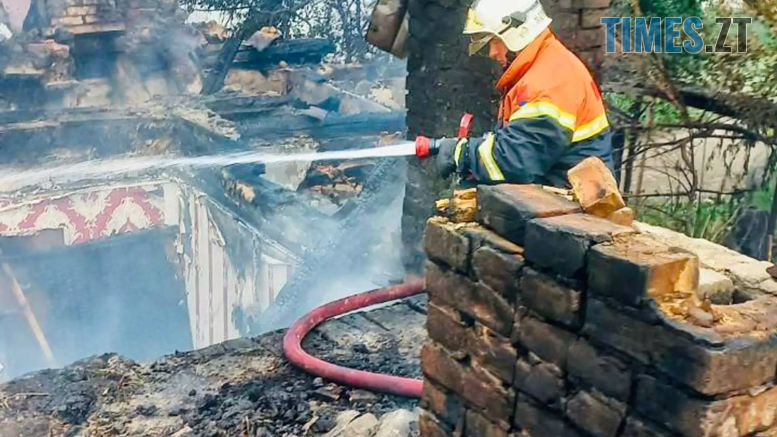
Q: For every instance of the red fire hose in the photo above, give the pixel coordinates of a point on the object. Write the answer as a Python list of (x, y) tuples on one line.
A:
[(292, 343)]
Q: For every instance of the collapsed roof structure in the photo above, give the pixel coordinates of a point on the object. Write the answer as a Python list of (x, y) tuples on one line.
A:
[(156, 260)]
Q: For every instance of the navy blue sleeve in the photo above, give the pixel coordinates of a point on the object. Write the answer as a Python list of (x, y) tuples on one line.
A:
[(520, 152)]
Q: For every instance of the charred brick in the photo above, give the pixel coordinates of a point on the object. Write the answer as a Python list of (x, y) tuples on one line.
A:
[(508, 208), (539, 422), (636, 427), (476, 300), (591, 413), (487, 392), (634, 268), (562, 243), (492, 310), (440, 366), (541, 381), (448, 288), (446, 327), (553, 301), (691, 416), (547, 341), (444, 244), (429, 426), (476, 425), (447, 406), (493, 351), (599, 370), (523, 369), (620, 331), (498, 270), (482, 237), (739, 364)]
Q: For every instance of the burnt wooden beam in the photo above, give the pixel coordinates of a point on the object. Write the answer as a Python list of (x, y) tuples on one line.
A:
[(294, 51), (333, 126), (241, 107)]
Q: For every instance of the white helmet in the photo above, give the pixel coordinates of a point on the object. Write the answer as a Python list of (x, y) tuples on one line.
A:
[(516, 22)]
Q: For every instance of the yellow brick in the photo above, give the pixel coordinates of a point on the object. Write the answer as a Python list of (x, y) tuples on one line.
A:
[(623, 216), (75, 11), (67, 21), (595, 188)]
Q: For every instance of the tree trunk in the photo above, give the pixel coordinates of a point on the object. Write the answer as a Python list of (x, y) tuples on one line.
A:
[(618, 145), (631, 147), (772, 223)]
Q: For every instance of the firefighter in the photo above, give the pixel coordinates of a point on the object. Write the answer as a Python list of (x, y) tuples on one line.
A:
[(551, 115)]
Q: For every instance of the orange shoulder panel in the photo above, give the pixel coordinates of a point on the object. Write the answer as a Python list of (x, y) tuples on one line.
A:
[(548, 74)]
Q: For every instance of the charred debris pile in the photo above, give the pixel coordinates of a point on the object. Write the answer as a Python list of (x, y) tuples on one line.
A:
[(95, 79), (239, 388), (83, 66), (210, 251)]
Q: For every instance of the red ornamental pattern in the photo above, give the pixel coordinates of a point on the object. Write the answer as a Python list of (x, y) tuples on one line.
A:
[(88, 216)]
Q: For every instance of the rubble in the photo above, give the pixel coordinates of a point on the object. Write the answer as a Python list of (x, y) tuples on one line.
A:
[(460, 208), (241, 387), (74, 55)]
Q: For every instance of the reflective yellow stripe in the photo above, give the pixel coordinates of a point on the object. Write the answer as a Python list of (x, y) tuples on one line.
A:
[(545, 109), (591, 129), (459, 151), (486, 152)]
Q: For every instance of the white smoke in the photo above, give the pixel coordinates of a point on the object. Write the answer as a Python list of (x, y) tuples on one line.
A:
[(5, 33)]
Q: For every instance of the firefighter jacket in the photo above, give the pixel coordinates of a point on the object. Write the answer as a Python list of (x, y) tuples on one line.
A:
[(551, 117)]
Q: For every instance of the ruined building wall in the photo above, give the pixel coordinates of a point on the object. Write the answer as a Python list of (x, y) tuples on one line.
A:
[(444, 82), (95, 16), (548, 322), (80, 53)]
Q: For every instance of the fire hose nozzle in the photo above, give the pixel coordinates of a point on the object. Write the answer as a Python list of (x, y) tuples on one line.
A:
[(425, 147)]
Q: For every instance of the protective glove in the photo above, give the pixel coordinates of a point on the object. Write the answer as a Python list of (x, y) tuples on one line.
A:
[(445, 161)]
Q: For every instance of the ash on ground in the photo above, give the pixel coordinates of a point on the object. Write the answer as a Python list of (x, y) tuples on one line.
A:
[(240, 388)]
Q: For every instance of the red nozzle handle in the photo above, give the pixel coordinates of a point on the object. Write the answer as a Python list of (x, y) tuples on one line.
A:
[(466, 125), (423, 147)]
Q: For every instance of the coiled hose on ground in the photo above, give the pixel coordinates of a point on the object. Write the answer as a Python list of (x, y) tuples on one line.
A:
[(292, 343)]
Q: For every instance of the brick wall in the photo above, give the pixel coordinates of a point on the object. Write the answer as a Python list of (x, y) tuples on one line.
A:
[(444, 82), (81, 17), (578, 24), (548, 322)]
